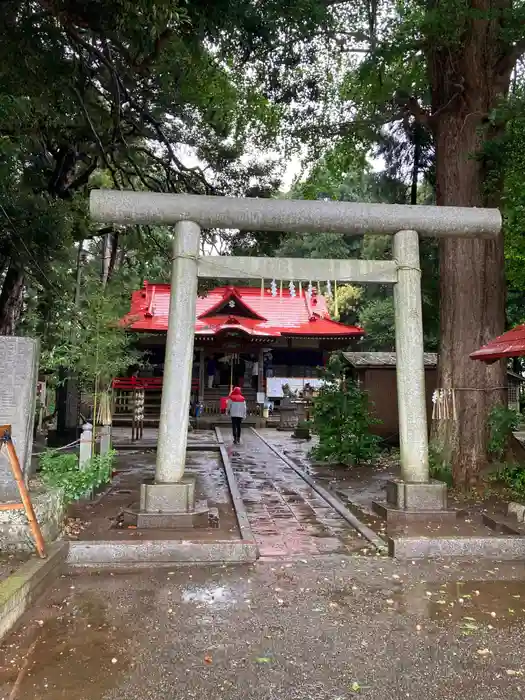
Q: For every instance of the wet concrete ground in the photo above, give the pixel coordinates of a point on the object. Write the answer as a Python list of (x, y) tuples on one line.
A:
[(358, 487), (287, 517), (121, 436), (100, 519), (331, 628)]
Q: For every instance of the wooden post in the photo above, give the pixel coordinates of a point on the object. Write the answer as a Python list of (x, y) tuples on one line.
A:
[(202, 374), (105, 439), (260, 376), (5, 432)]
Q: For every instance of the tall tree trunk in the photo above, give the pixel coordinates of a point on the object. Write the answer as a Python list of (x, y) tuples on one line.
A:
[(466, 86), (109, 257), (68, 407), (113, 257), (106, 258), (415, 165), (68, 392), (11, 300)]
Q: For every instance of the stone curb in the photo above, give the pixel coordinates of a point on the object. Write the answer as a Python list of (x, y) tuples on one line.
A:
[(115, 553), (334, 502), (21, 588), (137, 447), (238, 504), (501, 548)]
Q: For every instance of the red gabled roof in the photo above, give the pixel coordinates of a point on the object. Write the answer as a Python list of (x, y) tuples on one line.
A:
[(252, 313), (509, 344), (231, 295)]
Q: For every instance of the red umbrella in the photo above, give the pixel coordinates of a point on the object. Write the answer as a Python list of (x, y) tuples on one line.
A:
[(510, 344)]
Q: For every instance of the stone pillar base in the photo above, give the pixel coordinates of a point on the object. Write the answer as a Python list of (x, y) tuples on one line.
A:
[(171, 506), (168, 498), (412, 496), (417, 501)]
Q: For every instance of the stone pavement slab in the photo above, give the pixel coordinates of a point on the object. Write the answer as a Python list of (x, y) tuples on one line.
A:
[(287, 517)]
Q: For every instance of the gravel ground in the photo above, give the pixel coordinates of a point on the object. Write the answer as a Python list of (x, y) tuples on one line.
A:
[(328, 628)]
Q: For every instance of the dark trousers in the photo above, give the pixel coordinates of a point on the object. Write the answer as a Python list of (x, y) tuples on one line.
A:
[(255, 381), (236, 429)]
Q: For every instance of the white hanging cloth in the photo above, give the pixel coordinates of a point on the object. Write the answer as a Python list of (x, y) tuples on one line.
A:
[(444, 404)]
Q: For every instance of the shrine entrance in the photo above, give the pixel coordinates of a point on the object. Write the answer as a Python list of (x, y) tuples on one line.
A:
[(414, 490)]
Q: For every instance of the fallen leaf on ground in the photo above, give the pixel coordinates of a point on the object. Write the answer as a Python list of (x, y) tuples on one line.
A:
[(263, 660), (470, 626), (208, 660), (355, 687), (483, 652)]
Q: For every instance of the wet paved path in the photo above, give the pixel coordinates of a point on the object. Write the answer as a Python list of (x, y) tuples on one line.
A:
[(335, 628), (288, 518)]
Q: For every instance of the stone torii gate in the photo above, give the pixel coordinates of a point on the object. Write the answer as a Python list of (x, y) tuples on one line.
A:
[(172, 493)]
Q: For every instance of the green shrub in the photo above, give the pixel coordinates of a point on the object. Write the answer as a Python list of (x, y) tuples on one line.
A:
[(502, 422), (342, 420), (62, 470), (438, 467), (513, 477)]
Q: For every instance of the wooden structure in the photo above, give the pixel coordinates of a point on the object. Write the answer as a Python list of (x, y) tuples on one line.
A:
[(288, 335), (376, 374), (6, 439)]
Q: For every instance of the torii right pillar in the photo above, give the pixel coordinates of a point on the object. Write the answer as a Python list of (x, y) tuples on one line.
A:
[(414, 491)]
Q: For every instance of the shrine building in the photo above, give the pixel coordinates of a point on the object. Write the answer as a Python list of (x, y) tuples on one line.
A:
[(260, 338)]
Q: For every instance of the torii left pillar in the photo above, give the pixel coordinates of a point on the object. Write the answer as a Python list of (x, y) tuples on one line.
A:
[(170, 500)]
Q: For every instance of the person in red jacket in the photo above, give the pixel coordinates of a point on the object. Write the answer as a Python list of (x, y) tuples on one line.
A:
[(236, 409)]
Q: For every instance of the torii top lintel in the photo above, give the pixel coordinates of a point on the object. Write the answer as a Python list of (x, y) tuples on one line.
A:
[(127, 207)]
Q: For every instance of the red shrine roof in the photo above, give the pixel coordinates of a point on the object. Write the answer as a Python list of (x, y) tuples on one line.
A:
[(242, 309), (509, 344)]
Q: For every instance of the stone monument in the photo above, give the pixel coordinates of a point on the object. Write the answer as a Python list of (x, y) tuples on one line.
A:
[(19, 365)]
